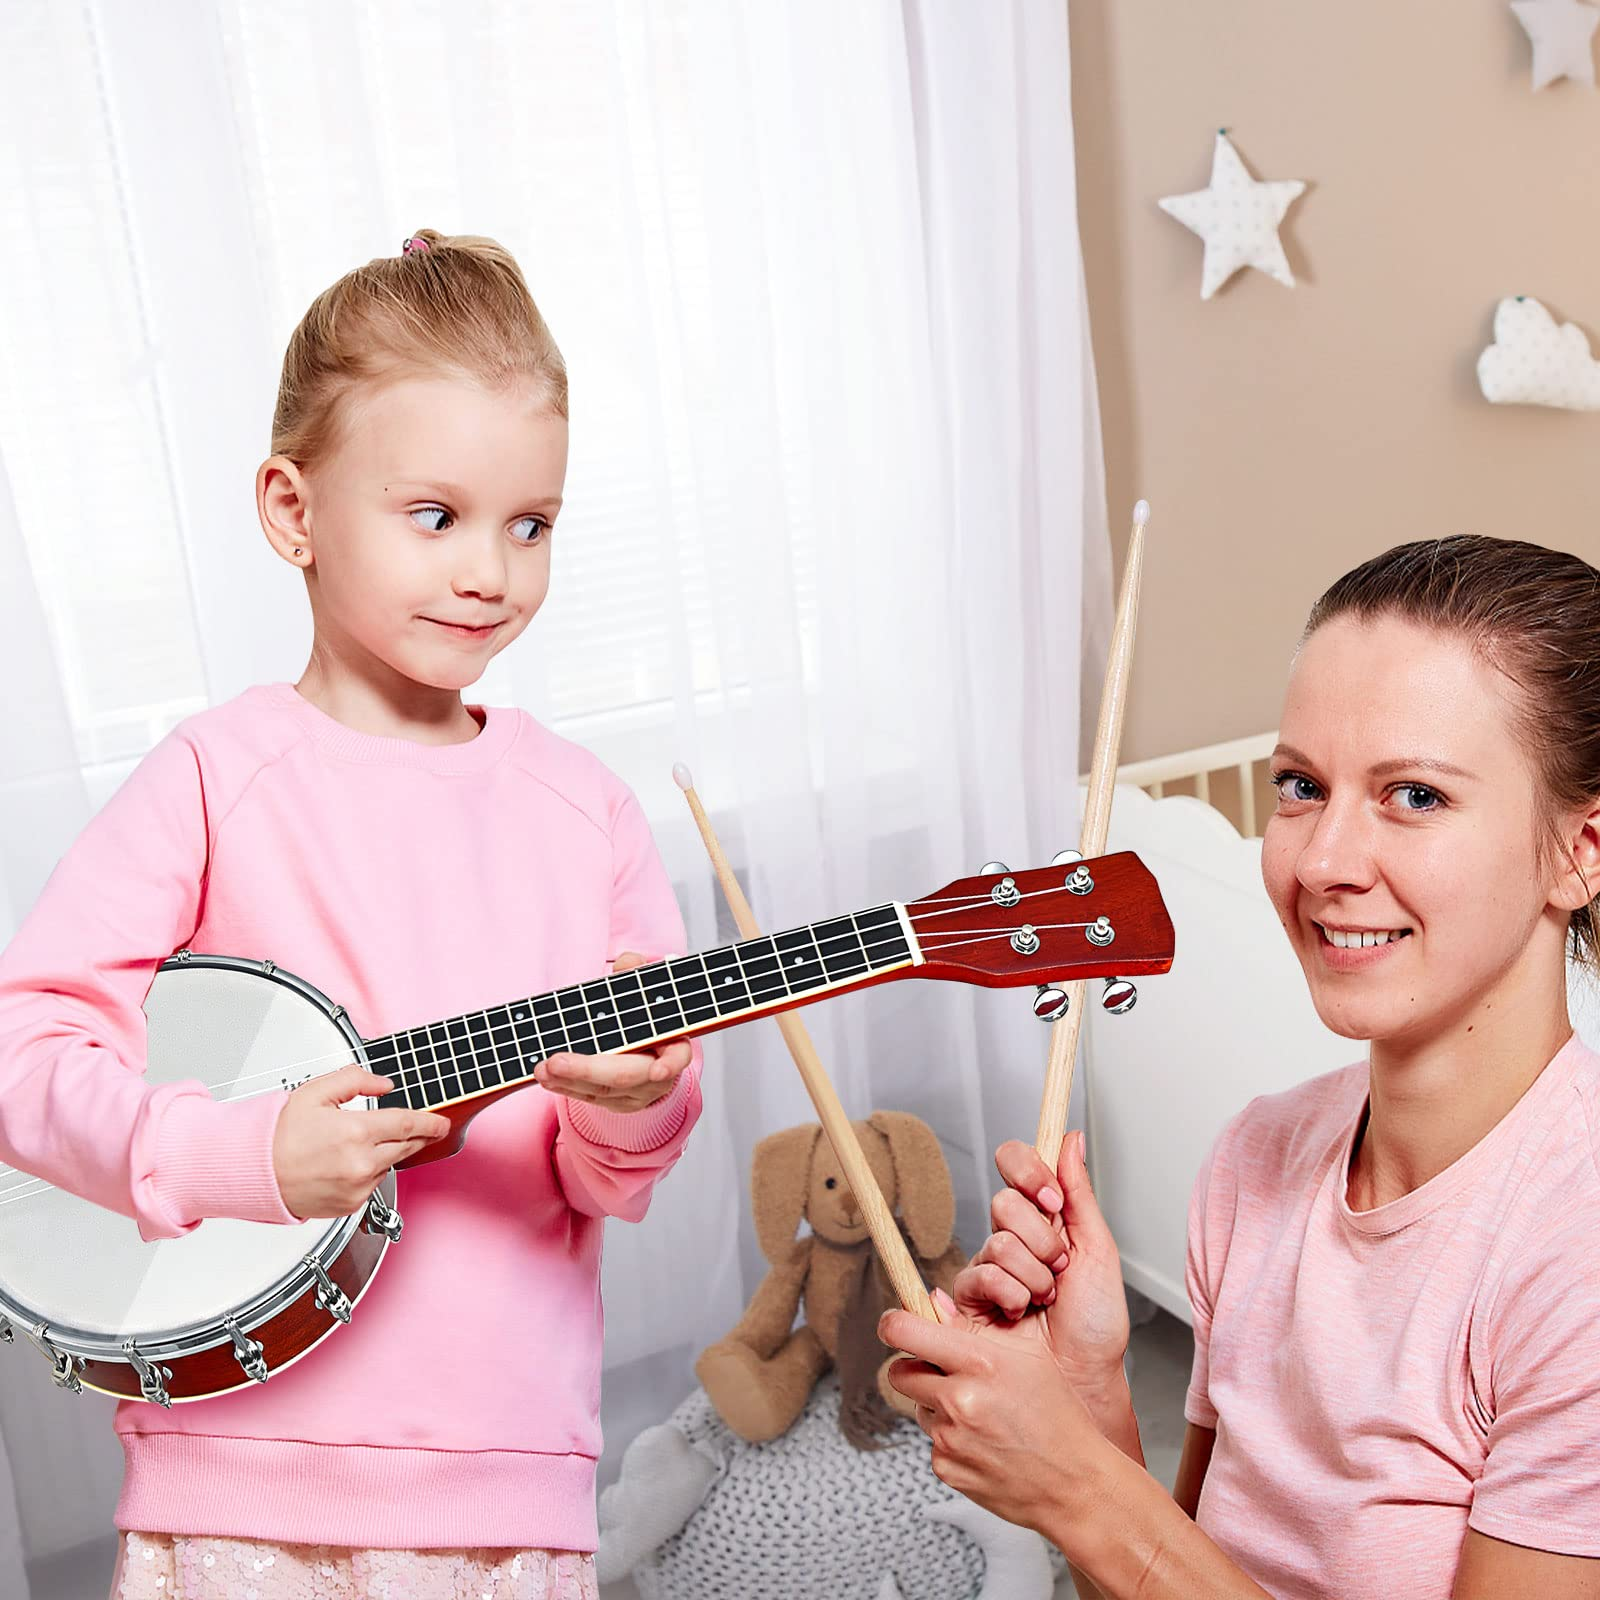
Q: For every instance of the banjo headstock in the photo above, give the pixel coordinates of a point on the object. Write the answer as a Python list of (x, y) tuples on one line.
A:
[(1047, 925)]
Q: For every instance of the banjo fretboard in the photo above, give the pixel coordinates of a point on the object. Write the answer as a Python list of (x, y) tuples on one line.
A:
[(461, 1058)]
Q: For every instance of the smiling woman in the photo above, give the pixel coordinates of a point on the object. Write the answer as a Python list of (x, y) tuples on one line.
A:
[(1391, 1267)]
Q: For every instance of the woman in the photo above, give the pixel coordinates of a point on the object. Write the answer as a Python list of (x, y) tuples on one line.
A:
[(1394, 1268)]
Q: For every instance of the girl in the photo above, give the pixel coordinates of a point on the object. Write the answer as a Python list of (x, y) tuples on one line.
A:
[(416, 857), (1393, 1267)]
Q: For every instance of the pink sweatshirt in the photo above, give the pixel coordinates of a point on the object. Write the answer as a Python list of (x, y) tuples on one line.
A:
[(1381, 1381), (410, 883)]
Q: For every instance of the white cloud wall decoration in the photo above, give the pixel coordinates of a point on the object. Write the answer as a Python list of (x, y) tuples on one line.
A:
[(1536, 361)]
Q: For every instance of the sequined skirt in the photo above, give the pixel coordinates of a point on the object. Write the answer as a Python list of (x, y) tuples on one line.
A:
[(159, 1566)]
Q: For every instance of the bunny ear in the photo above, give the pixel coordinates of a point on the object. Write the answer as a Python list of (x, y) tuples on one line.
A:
[(922, 1179), (780, 1176)]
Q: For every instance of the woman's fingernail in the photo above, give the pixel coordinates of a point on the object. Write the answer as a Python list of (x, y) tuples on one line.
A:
[(1050, 1199), (944, 1302), (1048, 1297), (1060, 1262)]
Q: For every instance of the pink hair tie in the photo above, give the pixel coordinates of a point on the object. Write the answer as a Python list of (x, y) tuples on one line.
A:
[(413, 245)]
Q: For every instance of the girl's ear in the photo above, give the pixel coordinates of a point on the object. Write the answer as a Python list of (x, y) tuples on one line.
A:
[(281, 506), (780, 1179), (922, 1179)]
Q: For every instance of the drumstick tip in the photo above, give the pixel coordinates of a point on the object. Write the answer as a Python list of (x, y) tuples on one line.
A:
[(682, 776), (1141, 513)]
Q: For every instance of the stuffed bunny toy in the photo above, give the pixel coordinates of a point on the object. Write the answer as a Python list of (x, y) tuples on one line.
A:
[(759, 1377)]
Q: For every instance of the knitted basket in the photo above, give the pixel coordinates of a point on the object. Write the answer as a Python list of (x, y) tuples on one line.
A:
[(808, 1517)]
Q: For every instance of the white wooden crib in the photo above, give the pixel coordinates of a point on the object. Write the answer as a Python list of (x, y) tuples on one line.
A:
[(1230, 1021)]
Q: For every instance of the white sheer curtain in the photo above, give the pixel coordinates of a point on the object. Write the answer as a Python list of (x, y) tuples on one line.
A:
[(835, 512)]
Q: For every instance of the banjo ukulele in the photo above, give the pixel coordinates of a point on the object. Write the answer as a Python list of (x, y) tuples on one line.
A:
[(230, 1302)]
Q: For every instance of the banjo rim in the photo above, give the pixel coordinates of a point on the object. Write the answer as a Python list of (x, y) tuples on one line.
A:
[(191, 1339)]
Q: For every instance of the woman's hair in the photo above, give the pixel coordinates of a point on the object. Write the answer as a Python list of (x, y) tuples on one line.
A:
[(1532, 614), (458, 307)]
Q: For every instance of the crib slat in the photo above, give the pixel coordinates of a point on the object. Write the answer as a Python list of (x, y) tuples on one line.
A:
[(1247, 798), (1202, 787)]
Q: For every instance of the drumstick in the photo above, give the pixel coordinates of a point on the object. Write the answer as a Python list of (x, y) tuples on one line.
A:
[(886, 1236), (1092, 842)]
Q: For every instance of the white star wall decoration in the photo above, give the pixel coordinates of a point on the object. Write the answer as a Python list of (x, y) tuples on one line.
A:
[(1562, 32), (1238, 219)]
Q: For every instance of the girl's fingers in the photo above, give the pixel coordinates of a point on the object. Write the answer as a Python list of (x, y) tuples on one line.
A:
[(670, 1059), (595, 1072), (605, 1099), (614, 1072), (1024, 1169)]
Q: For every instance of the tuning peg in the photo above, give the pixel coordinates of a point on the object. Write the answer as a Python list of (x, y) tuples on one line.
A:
[(1119, 996), (1065, 858), (992, 866), (1049, 1003)]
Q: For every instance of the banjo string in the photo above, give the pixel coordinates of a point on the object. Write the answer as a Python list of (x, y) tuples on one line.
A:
[(417, 1076)]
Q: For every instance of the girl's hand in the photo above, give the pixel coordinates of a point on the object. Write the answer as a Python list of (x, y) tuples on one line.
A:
[(1008, 1429), (328, 1161), (624, 1082), (1052, 1248)]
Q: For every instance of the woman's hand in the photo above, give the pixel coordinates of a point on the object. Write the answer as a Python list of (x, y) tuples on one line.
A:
[(1008, 1429), (623, 1082), (328, 1160), (1052, 1248)]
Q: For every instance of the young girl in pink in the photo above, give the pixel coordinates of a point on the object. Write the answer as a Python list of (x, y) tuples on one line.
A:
[(1394, 1268), (415, 857)]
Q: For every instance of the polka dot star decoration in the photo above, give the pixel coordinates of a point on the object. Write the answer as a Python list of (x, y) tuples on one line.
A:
[(1562, 35), (1238, 218), (1536, 361)]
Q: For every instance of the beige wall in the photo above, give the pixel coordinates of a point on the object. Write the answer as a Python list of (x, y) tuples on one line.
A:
[(1283, 435)]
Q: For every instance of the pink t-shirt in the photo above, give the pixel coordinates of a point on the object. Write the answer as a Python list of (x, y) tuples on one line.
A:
[(1380, 1381)]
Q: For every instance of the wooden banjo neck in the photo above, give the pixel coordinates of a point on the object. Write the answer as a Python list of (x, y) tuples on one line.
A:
[(1047, 927)]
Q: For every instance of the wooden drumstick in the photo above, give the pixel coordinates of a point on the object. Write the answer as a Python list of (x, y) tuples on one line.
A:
[(1092, 842), (884, 1230)]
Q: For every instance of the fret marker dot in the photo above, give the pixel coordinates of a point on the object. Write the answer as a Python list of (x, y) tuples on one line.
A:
[(518, 1017), (727, 980)]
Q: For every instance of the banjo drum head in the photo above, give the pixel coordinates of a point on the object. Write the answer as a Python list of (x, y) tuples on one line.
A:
[(84, 1270)]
